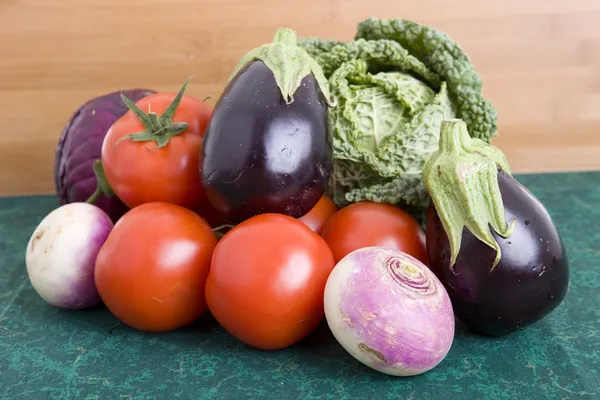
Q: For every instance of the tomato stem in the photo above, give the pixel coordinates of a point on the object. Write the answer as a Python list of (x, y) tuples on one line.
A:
[(219, 228), (159, 129), (224, 226), (155, 123), (102, 185)]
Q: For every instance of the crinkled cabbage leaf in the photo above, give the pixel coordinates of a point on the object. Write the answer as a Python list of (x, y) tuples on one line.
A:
[(394, 84)]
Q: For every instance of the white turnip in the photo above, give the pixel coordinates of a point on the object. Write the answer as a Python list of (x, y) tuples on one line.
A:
[(61, 255), (389, 311)]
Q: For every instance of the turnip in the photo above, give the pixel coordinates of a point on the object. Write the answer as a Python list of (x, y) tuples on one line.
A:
[(61, 255), (389, 311)]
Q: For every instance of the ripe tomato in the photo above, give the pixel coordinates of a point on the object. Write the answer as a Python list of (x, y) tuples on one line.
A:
[(152, 269), (315, 219), (143, 171), (374, 224), (267, 280)]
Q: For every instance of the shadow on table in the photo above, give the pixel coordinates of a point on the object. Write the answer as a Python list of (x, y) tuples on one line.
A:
[(319, 352)]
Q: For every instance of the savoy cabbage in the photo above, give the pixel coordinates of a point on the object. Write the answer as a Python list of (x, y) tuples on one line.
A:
[(394, 84)]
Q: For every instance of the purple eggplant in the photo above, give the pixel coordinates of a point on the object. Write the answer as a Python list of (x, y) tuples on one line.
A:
[(490, 241), (79, 147), (267, 147)]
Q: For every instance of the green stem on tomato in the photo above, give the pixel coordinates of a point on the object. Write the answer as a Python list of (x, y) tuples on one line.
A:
[(220, 227), (159, 128), (217, 230)]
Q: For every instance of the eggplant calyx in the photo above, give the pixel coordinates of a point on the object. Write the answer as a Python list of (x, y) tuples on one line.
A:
[(289, 63), (159, 128), (461, 178), (102, 185)]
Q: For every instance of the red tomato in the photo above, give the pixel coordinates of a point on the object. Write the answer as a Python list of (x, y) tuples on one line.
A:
[(374, 224), (315, 219), (267, 279), (141, 172), (152, 269)]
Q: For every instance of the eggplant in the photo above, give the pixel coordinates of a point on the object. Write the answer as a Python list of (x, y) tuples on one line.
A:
[(490, 241), (267, 147)]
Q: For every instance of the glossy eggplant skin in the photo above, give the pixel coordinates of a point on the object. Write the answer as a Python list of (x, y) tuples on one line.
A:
[(262, 155), (530, 280)]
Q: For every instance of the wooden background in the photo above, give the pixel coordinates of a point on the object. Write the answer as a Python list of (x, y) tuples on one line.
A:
[(539, 60)]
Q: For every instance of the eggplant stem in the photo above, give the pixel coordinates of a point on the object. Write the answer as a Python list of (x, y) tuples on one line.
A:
[(285, 36), (289, 64), (461, 178)]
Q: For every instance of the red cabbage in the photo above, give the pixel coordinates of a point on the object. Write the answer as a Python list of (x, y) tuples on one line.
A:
[(79, 147)]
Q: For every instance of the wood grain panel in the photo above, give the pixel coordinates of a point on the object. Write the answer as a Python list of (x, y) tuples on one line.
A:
[(539, 60)]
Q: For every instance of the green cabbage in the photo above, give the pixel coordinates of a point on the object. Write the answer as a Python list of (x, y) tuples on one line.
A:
[(393, 86)]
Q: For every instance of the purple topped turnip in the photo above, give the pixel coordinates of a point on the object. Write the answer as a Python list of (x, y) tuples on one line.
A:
[(267, 147), (61, 255), (490, 241), (79, 147), (389, 311)]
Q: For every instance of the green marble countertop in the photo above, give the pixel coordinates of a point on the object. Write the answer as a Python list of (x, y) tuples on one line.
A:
[(47, 353)]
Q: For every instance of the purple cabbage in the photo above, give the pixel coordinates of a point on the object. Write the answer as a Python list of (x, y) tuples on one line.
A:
[(80, 146)]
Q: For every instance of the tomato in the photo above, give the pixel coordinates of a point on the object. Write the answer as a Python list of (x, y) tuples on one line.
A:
[(267, 279), (157, 165), (152, 269), (374, 224), (315, 219)]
